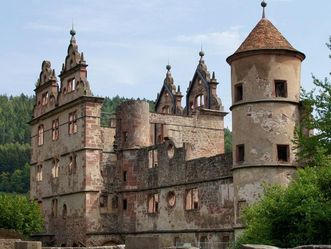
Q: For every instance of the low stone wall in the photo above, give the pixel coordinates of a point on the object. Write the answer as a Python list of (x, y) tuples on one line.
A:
[(96, 247), (28, 245), (247, 246), (8, 243)]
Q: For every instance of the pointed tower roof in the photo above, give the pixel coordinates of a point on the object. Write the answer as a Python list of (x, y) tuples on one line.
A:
[(265, 37)]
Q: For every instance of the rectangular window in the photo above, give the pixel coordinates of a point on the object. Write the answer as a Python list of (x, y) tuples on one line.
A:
[(125, 204), (39, 175), (41, 135), (125, 174), (72, 124), (71, 86), (54, 207), (238, 92), (55, 129), (281, 88), (103, 202), (153, 203), (192, 199), (283, 152), (55, 168), (44, 98), (152, 158), (240, 153), (125, 136)]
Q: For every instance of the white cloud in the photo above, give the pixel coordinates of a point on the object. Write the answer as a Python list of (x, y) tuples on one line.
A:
[(226, 41)]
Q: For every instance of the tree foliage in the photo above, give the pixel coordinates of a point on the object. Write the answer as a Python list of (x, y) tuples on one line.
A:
[(301, 213), (19, 213), (15, 112), (227, 140)]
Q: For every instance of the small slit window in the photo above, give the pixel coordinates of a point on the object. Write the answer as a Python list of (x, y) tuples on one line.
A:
[(125, 204), (125, 176), (238, 92), (283, 152), (281, 88), (153, 158), (240, 153)]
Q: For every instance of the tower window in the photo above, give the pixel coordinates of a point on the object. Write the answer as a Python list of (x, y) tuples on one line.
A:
[(72, 124), (71, 85), (199, 101), (283, 152), (153, 203), (125, 176), (54, 207), (238, 92), (44, 98), (125, 136), (152, 158), (39, 175), (41, 135), (281, 88), (240, 153), (64, 211), (103, 201), (125, 204), (55, 168), (192, 199), (55, 129)]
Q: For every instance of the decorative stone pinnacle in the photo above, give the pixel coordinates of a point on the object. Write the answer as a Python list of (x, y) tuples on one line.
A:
[(264, 5)]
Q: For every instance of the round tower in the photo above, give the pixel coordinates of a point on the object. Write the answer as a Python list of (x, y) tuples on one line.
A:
[(265, 81), (132, 124)]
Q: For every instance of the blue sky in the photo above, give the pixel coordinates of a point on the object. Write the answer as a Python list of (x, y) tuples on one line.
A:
[(127, 43)]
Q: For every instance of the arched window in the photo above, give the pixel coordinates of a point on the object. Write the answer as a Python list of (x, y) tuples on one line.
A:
[(199, 101), (41, 135), (55, 168)]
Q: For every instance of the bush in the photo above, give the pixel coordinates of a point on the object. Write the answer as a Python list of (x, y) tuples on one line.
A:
[(19, 213)]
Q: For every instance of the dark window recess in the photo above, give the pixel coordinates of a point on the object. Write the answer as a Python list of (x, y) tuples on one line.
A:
[(281, 88), (125, 204), (125, 136), (239, 92), (240, 153), (125, 174), (283, 152)]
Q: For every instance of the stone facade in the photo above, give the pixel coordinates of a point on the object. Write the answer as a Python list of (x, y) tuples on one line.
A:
[(163, 175)]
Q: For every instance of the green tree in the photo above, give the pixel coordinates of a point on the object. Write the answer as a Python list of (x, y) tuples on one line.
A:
[(317, 107), (227, 140), (19, 213)]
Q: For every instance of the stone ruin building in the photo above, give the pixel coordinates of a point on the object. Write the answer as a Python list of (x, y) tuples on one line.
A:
[(164, 174)]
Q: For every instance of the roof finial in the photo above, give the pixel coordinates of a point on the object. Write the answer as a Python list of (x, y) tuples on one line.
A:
[(264, 5), (72, 31), (168, 67), (201, 53)]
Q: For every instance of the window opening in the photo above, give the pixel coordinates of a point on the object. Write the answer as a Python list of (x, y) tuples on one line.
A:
[(239, 92), (283, 152), (281, 88), (192, 199), (153, 203), (240, 153)]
